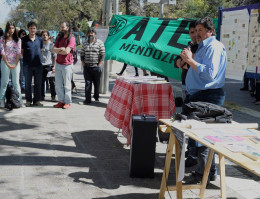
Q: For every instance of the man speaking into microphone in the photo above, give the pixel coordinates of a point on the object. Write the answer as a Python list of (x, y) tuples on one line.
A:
[(205, 79)]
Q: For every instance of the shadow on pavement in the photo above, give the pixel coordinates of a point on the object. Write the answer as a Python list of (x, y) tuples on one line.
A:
[(4, 142), (6, 125), (132, 196), (109, 167)]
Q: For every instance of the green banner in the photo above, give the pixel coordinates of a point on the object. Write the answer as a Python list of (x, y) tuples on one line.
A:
[(148, 43)]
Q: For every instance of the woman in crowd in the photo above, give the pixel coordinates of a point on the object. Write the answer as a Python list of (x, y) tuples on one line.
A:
[(21, 34), (1, 34), (10, 46)]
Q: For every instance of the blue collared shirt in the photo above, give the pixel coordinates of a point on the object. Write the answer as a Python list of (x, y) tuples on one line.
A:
[(211, 61)]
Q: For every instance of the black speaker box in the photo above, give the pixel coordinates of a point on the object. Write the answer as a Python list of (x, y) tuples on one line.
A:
[(143, 143)]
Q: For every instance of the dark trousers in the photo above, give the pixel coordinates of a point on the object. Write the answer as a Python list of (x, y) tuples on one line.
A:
[(249, 81), (257, 90), (92, 75), (35, 72), (22, 77), (192, 148), (214, 96), (51, 81), (124, 67)]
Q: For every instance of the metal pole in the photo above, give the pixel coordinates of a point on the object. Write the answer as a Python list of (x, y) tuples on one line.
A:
[(161, 9), (108, 11), (115, 7), (104, 82), (104, 13), (101, 87)]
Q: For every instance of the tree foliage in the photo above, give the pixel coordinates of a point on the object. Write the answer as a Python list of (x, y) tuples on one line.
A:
[(133, 7), (193, 8), (50, 13)]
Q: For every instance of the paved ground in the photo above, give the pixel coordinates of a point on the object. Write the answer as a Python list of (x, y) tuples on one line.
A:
[(48, 153)]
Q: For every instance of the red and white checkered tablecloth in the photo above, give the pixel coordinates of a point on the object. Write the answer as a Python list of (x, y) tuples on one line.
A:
[(130, 98)]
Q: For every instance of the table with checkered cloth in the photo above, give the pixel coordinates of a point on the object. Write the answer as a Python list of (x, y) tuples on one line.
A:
[(131, 98)]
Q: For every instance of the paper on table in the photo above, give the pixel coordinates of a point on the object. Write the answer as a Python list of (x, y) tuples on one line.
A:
[(180, 136), (228, 131), (223, 139), (240, 147)]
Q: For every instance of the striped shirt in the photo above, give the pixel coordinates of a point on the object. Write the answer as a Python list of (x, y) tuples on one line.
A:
[(92, 53)]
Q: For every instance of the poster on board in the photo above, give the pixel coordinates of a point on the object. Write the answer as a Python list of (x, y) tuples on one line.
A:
[(254, 40), (234, 35)]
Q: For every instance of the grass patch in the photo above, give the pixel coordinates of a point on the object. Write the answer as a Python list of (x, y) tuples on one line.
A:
[(233, 106)]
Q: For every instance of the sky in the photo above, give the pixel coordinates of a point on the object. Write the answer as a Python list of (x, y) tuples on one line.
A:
[(4, 11)]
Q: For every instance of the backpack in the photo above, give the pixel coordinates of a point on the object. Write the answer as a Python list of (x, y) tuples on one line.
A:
[(75, 52), (75, 56), (12, 98)]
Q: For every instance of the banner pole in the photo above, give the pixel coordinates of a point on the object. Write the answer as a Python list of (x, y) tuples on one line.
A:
[(161, 8), (104, 81)]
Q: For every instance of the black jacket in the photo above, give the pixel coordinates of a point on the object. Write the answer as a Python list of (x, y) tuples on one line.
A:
[(205, 112)]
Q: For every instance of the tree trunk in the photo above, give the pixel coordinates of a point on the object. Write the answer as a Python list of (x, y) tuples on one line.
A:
[(75, 25), (133, 7)]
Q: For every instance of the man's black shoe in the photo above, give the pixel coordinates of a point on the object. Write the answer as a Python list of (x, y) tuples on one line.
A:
[(251, 91), (244, 89), (189, 162), (84, 103), (213, 177), (257, 102), (198, 177), (96, 99)]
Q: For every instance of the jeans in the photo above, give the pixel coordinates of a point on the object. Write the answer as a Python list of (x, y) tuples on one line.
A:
[(5, 73), (184, 91), (192, 148), (63, 76), (214, 96), (46, 69), (22, 77), (0, 68), (92, 74), (36, 72)]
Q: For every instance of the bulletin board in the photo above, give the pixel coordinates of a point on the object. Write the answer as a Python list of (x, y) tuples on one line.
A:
[(240, 33)]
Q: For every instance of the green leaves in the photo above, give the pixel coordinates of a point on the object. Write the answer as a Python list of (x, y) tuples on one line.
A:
[(50, 13)]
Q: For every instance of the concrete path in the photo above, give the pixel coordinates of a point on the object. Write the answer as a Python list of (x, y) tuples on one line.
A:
[(48, 153)]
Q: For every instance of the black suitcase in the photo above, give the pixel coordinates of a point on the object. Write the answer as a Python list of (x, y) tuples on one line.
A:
[(142, 149)]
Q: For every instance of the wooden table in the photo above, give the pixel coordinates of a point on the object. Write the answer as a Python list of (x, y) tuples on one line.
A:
[(238, 158)]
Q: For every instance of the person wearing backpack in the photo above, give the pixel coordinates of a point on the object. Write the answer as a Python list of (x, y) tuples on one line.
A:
[(1, 34), (64, 47), (92, 57), (10, 46)]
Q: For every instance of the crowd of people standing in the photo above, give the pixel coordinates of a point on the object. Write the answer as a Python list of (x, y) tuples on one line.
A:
[(35, 57)]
